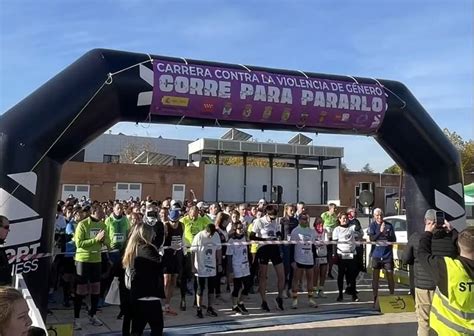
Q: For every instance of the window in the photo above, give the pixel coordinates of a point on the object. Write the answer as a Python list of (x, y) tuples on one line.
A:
[(76, 190), (135, 186), (178, 192), (110, 158), (124, 191)]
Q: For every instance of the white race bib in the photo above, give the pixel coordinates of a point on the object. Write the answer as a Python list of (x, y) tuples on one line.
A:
[(306, 251), (347, 255), (119, 237), (93, 233), (322, 260)]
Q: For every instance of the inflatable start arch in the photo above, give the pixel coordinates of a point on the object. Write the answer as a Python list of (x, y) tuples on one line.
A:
[(104, 87)]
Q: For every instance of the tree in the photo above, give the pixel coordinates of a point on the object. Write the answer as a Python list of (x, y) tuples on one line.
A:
[(367, 169), (344, 167), (251, 162), (132, 150), (393, 169), (465, 148)]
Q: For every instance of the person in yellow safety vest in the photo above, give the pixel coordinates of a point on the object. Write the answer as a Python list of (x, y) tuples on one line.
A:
[(452, 309)]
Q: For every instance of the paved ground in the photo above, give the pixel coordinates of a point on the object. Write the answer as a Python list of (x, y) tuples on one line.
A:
[(330, 318)]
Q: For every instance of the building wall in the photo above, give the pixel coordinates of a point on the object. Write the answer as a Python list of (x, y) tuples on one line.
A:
[(231, 180), (156, 181), (349, 181), (114, 144)]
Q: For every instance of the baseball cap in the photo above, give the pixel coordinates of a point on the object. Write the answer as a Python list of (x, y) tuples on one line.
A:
[(174, 215), (262, 201), (174, 204), (202, 205)]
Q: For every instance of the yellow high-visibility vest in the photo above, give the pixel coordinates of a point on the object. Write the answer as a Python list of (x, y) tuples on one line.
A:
[(454, 315)]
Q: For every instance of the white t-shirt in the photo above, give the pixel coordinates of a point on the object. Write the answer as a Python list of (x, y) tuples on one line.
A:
[(346, 235), (265, 229), (322, 250), (240, 259), (205, 253), (304, 251)]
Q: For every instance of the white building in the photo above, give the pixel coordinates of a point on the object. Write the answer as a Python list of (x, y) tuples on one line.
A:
[(310, 173)]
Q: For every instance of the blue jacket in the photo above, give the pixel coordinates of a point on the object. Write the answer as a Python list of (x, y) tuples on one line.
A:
[(382, 252)]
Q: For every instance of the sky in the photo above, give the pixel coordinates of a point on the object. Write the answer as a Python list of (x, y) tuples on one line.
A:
[(425, 44)]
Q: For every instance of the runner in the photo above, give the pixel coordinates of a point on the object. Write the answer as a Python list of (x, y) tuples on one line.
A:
[(192, 224), (89, 237), (238, 265), (266, 229), (173, 256), (288, 222), (330, 222), (207, 261), (320, 258), (302, 258), (345, 236)]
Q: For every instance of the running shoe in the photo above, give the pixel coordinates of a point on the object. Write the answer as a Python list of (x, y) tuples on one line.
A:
[(211, 312), (237, 310), (95, 321), (199, 313), (265, 307), (355, 298), (312, 303), (279, 303), (243, 309), (77, 325), (170, 312), (321, 294), (294, 304)]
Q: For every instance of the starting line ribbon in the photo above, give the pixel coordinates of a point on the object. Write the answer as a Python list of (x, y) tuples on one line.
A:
[(242, 243)]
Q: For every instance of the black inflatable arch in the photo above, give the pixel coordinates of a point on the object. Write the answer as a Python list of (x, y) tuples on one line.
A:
[(104, 87)]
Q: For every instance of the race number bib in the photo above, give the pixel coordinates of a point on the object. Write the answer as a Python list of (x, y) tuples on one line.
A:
[(347, 255), (306, 251), (321, 260), (93, 233), (119, 237)]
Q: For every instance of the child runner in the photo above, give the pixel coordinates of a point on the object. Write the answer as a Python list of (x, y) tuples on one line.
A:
[(238, 264), (207, 261)]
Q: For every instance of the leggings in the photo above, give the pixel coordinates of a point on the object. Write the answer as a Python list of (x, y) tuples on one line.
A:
[(245, 282), (147, 312), (185, 275), (211, 285), (347, 268)]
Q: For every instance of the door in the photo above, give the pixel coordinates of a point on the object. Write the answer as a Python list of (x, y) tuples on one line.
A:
[(76, 190), (124, 190), (178, 192)]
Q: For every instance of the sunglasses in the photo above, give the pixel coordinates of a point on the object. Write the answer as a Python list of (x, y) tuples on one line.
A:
[(6, 227)]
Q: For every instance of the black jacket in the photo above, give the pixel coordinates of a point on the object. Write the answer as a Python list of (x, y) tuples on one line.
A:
[(147, 274), (5, 269), (443, 245), (437, 265)]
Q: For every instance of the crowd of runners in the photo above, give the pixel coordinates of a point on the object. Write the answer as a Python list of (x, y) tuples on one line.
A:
[(152, 247)]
